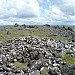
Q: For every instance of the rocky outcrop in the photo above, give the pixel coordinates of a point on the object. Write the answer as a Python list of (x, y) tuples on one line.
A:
[(62, 31)]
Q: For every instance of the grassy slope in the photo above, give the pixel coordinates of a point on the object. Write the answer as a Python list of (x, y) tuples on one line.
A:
[(41, 31)]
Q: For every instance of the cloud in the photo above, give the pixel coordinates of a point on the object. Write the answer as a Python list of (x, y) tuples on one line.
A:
[(37, 12), (67, 6), (61, 12), (2, 22), (55, 13), (19, 8)]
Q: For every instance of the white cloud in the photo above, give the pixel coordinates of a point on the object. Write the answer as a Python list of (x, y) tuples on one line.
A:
[(37, 11), (55, 13), (2, 22), (19, 8), (41, 1), (56, 10), (67, 6)]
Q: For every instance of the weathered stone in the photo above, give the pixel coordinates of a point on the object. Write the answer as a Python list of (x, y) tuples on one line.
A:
[(36, 53), (37, 72)]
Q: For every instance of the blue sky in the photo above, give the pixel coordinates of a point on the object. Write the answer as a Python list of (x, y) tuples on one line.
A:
[(53, 12)]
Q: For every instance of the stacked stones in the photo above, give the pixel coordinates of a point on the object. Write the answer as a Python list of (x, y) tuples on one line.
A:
[(42, 56)]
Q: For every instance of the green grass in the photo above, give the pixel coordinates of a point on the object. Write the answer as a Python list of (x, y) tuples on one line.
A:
[(19, 65), (58, 37), (67, 58), (41, 31), (44, 71)]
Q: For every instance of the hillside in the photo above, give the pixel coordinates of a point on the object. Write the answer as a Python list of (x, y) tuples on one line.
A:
[(37, 50), (55, 32)]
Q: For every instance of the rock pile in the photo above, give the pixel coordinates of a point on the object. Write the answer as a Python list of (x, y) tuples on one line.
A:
[(40, 56)]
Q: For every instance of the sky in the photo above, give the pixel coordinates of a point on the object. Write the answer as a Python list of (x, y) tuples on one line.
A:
[(53, 12)]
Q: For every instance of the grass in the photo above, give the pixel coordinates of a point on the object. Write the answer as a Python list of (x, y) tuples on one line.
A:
[(41, 31), (19, 65), (44, 71), (67, 58)]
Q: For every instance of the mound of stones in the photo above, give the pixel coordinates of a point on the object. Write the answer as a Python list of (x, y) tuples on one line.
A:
[(41, 56)]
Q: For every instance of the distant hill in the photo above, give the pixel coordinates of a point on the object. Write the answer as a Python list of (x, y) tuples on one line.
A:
[(45, 31)]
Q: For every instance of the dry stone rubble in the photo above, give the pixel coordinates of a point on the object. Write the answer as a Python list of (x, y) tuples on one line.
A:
[(37, 53)]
